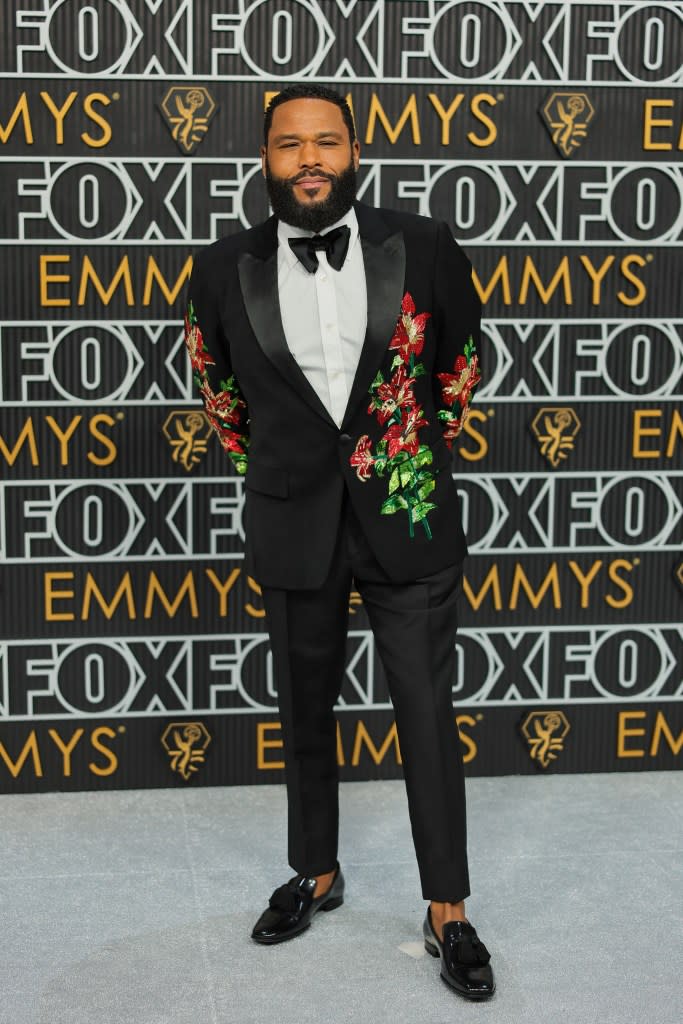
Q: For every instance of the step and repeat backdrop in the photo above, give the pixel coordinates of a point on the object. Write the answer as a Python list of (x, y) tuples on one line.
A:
[(549, 135)]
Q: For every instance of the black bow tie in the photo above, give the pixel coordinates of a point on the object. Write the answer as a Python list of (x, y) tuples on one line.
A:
[(335, 243)]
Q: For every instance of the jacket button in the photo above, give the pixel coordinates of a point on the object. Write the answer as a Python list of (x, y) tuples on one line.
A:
[(344, 438)]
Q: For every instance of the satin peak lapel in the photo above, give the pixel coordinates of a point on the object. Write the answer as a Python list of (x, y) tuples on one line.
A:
[(258, 281), (385, 269)]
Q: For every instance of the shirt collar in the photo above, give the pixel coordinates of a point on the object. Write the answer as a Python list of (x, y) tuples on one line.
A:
[(286, 231)]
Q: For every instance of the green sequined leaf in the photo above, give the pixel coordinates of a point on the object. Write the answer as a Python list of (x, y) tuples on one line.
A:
[(399, 458), (393, 504), (407, 474), (240, 462), (426, 488), (424, 456), (379, 380), (421, 509)]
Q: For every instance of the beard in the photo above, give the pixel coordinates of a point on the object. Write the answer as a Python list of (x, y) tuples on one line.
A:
[(313, 216)]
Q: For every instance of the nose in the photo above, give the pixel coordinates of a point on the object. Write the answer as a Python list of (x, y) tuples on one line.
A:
[(309, 155)]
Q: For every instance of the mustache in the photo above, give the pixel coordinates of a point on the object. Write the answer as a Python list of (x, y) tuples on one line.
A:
[(307, 174)]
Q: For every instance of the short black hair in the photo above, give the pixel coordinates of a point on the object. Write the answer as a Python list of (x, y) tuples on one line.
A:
[(309, 92)]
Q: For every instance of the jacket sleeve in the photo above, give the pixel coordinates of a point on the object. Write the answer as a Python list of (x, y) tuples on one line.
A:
[(457, 371), (209, 355)]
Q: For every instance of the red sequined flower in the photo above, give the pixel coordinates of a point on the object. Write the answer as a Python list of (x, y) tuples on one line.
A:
[(458, 386), (199, 357), (402, 437), (361, 459), (222, 405), (408, 336), (393, 395)]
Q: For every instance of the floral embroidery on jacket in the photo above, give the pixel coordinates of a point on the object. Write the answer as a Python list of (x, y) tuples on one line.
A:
[(457, 389), (223, 408), (398, 454)]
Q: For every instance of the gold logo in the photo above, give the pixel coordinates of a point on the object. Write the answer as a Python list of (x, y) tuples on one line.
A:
[(188, 434), (679, 574), (186, 743), (567, 116), (555, 430), (188, 112), (545, 732)]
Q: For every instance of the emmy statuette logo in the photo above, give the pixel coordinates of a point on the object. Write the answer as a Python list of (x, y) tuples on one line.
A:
[(188, 111), (567, 116), (545, 732), (186, 743), (555, 430), (188, 434)]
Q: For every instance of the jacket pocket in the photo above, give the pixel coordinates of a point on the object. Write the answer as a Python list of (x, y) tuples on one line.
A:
[(267, 480)]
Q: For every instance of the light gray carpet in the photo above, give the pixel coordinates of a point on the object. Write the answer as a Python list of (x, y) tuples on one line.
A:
[(136, 907)]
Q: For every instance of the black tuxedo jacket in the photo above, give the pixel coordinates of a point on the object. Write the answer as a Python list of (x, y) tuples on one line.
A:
[(392, 452)]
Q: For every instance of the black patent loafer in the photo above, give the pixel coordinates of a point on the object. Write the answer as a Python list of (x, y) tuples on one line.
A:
[(292, 906), (464, 958)]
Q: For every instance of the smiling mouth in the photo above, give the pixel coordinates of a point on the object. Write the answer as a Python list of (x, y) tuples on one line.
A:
[(312, 183)]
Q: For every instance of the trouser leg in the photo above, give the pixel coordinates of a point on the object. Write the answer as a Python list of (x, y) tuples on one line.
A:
[(414, 626), (415, 635), (308, 642)]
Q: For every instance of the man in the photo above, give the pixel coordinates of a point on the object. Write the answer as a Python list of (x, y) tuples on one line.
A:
[(337, 369)]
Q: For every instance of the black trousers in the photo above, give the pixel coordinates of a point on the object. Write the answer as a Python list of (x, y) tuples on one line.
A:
[(414, 627)]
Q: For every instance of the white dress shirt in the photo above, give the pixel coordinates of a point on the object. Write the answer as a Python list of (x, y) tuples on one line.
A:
[(325, 314)]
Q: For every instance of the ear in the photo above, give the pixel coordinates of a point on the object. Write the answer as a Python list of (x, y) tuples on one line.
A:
[(262, 152), (355, 153)]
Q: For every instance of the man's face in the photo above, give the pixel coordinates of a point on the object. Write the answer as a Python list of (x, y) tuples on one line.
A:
[(310, 163)]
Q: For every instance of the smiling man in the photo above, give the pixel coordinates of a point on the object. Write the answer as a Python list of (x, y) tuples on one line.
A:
[(335, 350), (309, 167)]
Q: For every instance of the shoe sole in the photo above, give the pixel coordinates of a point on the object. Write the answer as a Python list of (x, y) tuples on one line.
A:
[(331, 904), (433, 951)]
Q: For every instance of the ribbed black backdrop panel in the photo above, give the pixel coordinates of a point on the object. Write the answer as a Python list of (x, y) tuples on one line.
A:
[(549, 136)]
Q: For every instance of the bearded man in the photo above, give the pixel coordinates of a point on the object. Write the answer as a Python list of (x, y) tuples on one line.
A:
[(335, 349)]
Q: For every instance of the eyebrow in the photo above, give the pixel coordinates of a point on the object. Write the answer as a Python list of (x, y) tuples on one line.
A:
[(331, 133)]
